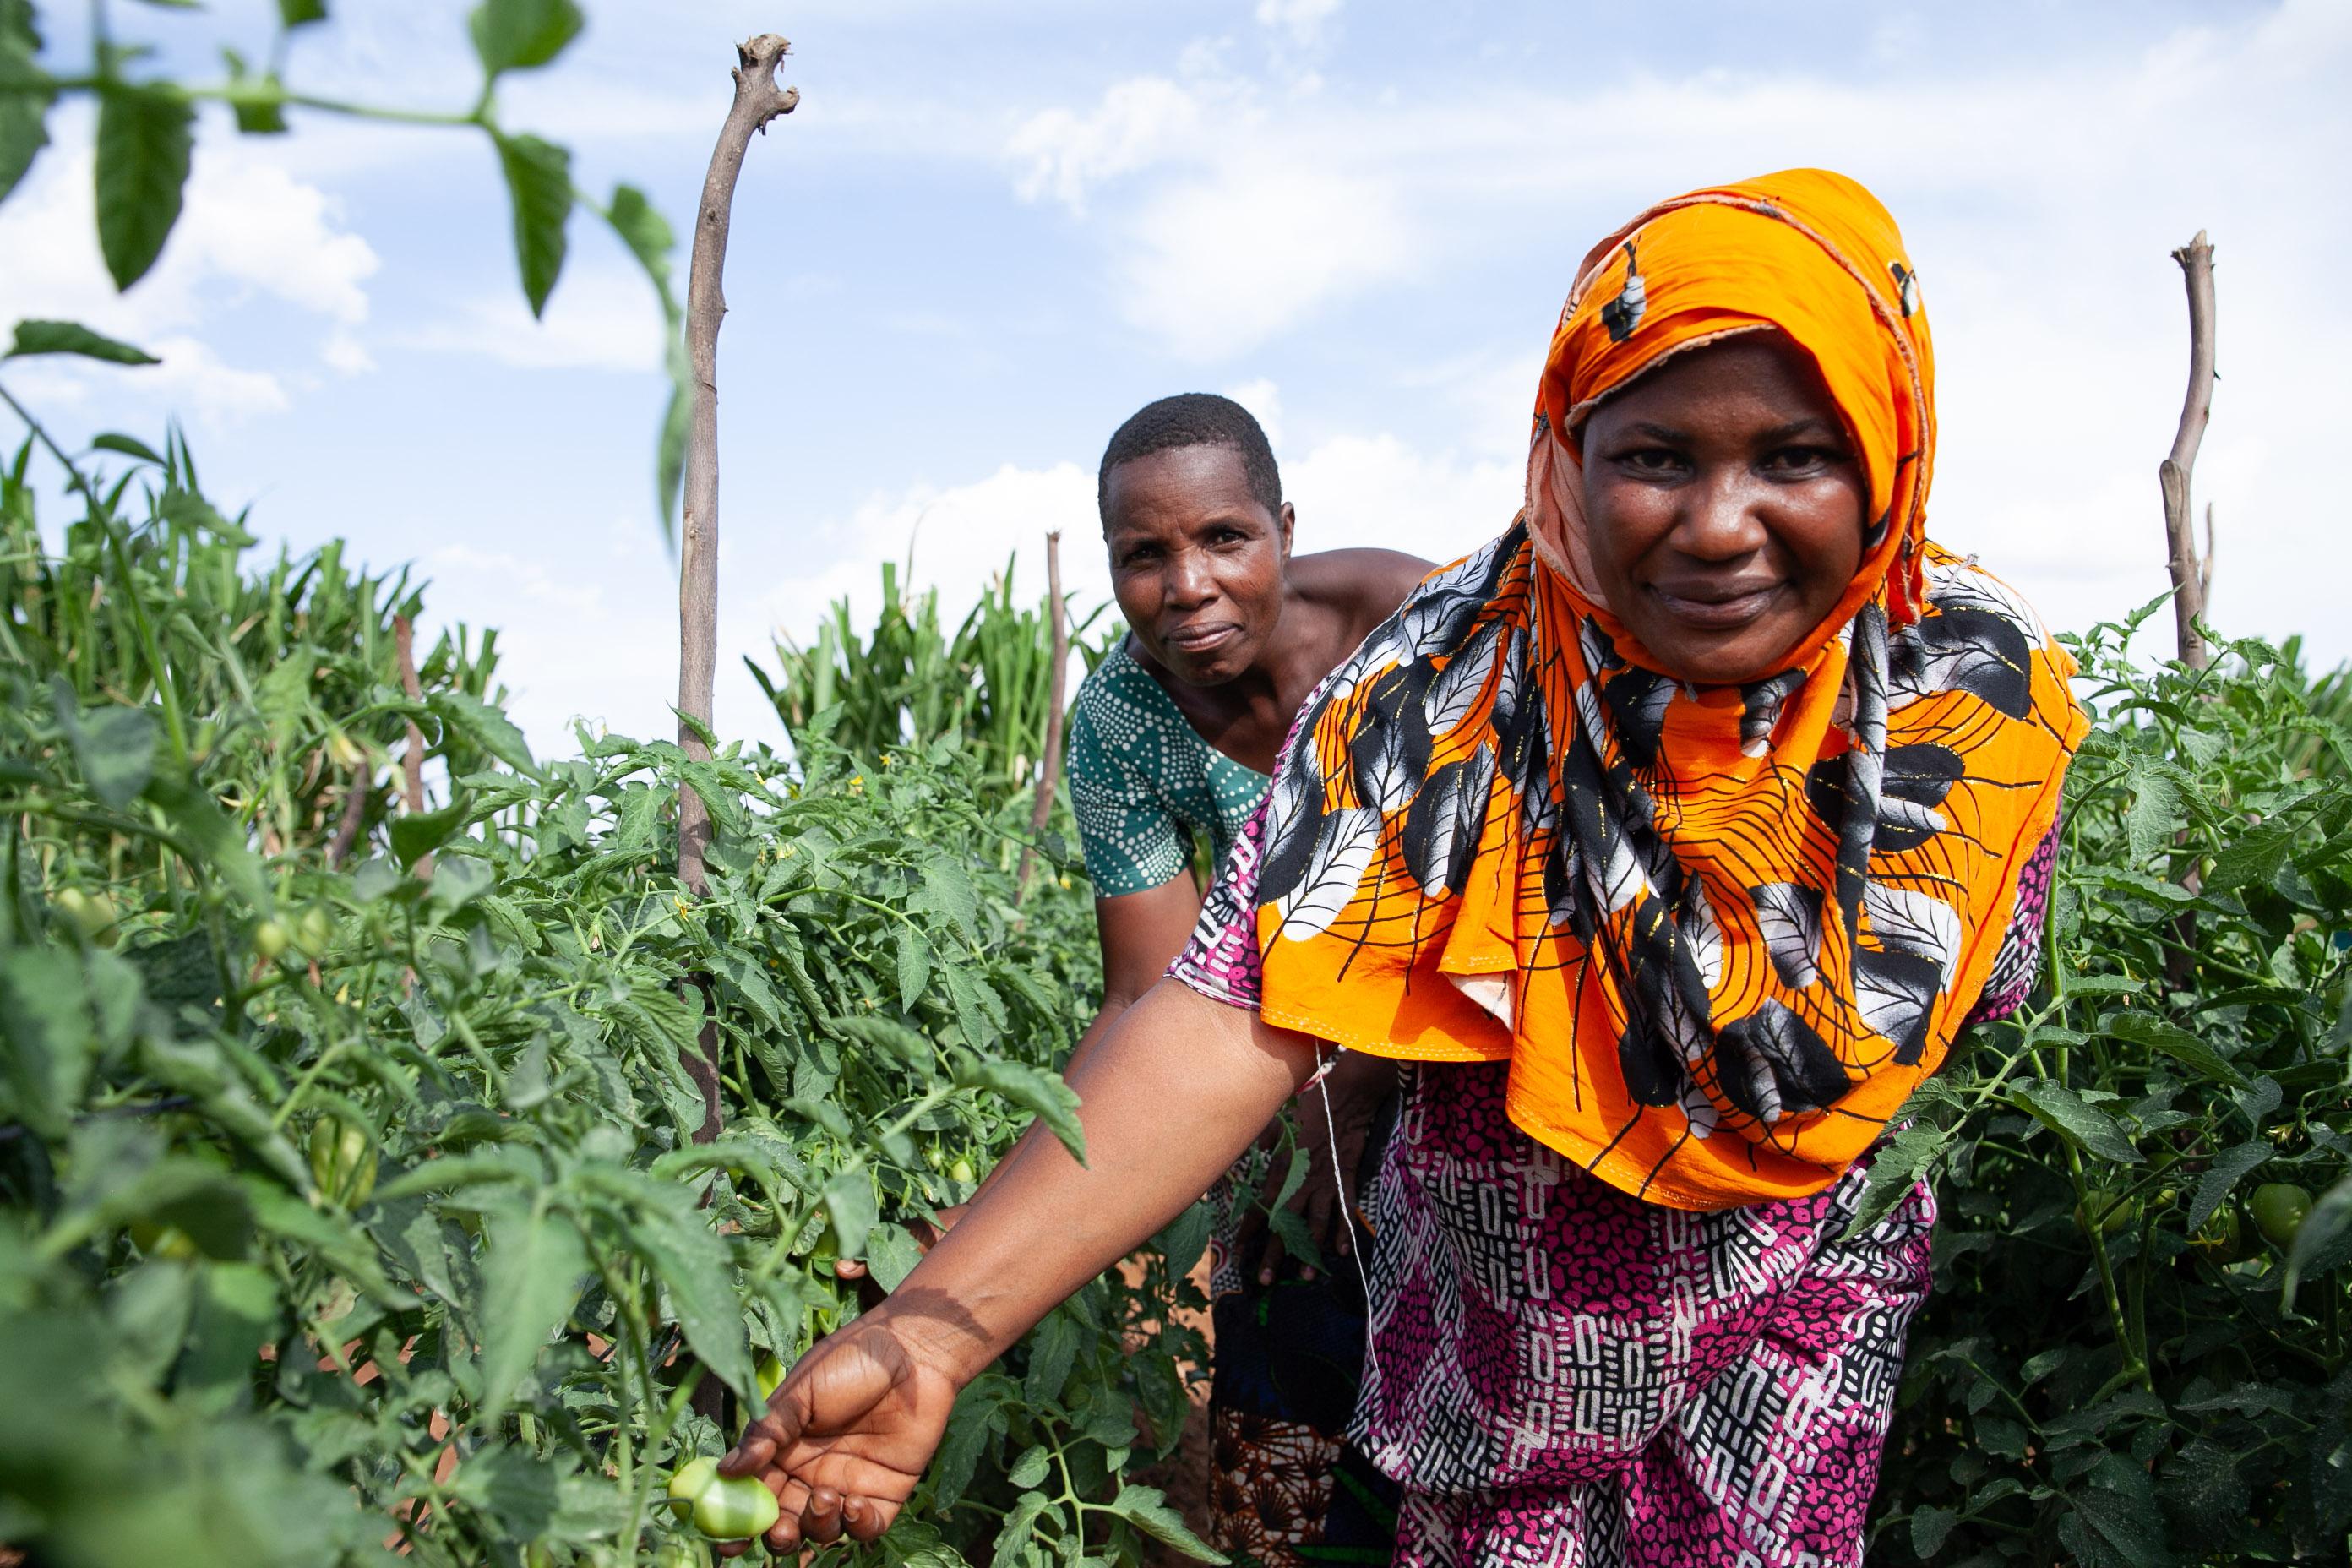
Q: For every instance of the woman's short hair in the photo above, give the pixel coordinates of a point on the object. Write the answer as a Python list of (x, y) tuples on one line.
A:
[(1192, 419)]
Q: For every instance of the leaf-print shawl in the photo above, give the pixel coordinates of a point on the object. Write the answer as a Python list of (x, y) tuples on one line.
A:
[(1720, 933)]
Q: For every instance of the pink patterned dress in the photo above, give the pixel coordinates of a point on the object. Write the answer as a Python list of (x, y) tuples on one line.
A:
[(1560, 1374)]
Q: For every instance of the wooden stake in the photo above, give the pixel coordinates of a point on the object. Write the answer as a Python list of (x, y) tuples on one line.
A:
[(412, 762), (2173, 474), (1049, 766), (758, 99)]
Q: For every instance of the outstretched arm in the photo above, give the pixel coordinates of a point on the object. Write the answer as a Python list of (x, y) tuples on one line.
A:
[(1176, 1090)]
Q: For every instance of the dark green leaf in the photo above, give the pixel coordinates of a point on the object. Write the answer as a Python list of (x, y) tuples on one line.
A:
[(891, 1255), (72, 337), (1186, 1238), (887, 1036), (1145, 1508), (114, 746), (2329, 1218), (539, 185), (417, 834), (1029, 1470), (127, 447), (1054, 1103), (531, 1278), (297, 13), (2254, 859), (484, 726), (2229, 1168), (1053, 1350), (647, 234), (2174, 1041), (517, 35), (914, 967), (693, 1264), (142, 164), (215, 837), (2068, 1114), (25, 96), (669, 456), (1018, 1526), (849, 1200)]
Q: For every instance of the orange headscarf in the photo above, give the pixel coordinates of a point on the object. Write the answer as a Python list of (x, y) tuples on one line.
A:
[(1720, 933)]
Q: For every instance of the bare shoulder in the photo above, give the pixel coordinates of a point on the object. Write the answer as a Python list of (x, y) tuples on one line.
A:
[(1364, 586)]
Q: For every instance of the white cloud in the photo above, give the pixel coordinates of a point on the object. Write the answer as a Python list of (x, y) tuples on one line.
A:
[(1213, 267), (1303, 20), (1138, 123), (601, 317), (1264, 400), (247, 230)]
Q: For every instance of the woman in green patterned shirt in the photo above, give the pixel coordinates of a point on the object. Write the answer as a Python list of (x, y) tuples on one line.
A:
[(1173, 736)]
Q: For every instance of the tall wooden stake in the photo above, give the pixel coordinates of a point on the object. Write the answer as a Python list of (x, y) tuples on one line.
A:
[(1049, 766), (2189, 579), (758, 99)]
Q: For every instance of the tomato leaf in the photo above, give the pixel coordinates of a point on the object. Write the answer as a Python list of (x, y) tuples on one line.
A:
[(520, 35), (25, 93), (538, 187), (1054, 1103), (531, 1268), (1145, 1508), (143, 142), (72, 338), (2063, 1111)]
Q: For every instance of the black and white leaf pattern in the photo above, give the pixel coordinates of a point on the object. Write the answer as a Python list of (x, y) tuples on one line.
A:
[(1905, 788), (1956, 586), (1454, 690), (1387, 761), (1772, 1064), (1761, 703), (1638, 699), (1963, 650), (1895, 993), (1654, 1072), (1442, 829), (1696, 923), (1790, 916), (1335, 868), (1700, 1109), (1294, 820), (1904, 920)]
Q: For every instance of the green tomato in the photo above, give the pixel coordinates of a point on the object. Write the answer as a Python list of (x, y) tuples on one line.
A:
[(689, 1482), (735, 1508), (163, 1240), (93, 914), (676, 1554), (315, 931), (770, 1373), (961, 1170), (270, 938), (2110, 1212), (2279, 1208), (932, 1156), (342, 1162)]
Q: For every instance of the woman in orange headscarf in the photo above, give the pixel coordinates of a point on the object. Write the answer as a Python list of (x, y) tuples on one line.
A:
[(1674, 836)]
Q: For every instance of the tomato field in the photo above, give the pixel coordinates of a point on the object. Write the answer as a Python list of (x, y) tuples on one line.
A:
[(359, 1201)]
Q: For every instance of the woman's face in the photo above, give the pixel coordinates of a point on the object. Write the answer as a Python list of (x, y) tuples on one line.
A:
[(1196, 559), (1724, 502)]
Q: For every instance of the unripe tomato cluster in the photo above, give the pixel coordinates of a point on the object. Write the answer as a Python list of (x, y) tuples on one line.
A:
[(723, 1508), (343, 1164)]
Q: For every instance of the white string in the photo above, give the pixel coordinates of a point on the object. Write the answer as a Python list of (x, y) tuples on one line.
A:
[(1347, 1199)]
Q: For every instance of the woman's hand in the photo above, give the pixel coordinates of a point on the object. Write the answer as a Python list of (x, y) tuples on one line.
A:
[(846, 1436)]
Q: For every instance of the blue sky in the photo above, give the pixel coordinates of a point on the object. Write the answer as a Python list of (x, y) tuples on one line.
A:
[(994, 227)]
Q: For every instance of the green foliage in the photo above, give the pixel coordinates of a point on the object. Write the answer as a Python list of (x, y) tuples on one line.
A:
[(146, 135), (317, 1174), (910, 680), (2117, 1366)]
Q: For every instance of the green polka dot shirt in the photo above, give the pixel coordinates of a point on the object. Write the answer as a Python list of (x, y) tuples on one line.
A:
[(1144, 782)]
